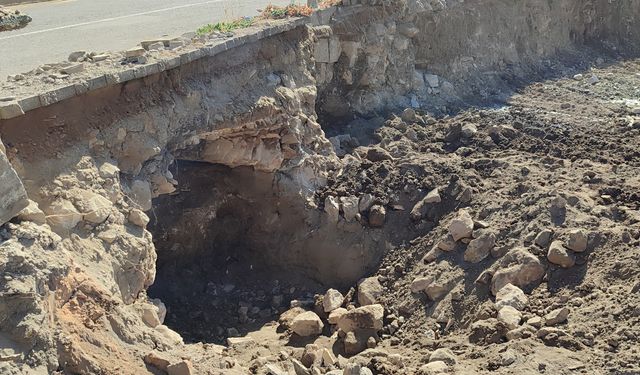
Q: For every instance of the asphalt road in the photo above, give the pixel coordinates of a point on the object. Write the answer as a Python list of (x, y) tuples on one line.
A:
[(61, 27)]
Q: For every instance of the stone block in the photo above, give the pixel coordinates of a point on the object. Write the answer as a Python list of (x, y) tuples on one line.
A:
[(10, 110), (13, 197)]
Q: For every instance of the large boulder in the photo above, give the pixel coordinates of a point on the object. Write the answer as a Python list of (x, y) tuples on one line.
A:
[(307, 324), (369, 290), (365, 317)]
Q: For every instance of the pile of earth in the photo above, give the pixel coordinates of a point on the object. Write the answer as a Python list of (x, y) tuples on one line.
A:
[(529, 245)]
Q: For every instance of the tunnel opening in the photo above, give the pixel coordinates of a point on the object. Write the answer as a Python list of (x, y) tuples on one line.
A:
[(225, 265)]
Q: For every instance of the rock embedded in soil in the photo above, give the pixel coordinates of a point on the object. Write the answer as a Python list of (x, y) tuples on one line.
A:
[(511, 295), (377, 154), (421, 208), (349, 207), (561, 256), (139, 218), (487, 331), (420, 284), (461, 226), (364, 317), (510, 317), (577, 240), (332, 209), (443, 355), (480, 248), (307, 324), (183, 367), (377, 216), (543, 238), (447, 243), (556, 316), (369, 290), (332, 300), (518, 267)]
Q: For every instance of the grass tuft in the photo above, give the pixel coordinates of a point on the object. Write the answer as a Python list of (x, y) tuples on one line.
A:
[(225, 26)]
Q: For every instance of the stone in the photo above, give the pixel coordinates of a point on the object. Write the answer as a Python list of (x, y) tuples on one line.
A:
[(32, 213), (328, 359), (559, 255), (443, 355), (520, 332), (335, 315), (487, 331), (377, 216), (332, 209), (332, 300), (286, 318), (273, 369), (469, 130), (518, 267), (349, 207), (435, 367), (307, 324), (408, 115), (447, 243), (156, 360), (366, 202), (510, 317), (432, 255), (356, 341), (139, 218), (578, 77), (62, 216), (433, 80), (420, 284), (376, 154), (77, 55), (98, 58), (556, 316), (172, 336), (543, 238), (369, 290), (535, 321), (240, 342), (421, 208), (13, 197), (299, 368), (141, 194), (150, 315), (183, 367), (577, 240), (480, 248), (461, 226), (73, 69), (10, 110), (511, 295), (438, 289), (94, 207), (365, 317), (134, 52)]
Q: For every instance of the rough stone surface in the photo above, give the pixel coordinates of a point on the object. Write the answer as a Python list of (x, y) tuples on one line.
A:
[(556, 316), (480, 248), (561, 256), (511, 295), (13, 197), (307, 324), (369, 290), (332, 300), (461, 226), (365, 317), (577, 240)]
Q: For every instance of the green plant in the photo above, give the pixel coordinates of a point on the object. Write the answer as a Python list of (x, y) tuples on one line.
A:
[(225, 26)]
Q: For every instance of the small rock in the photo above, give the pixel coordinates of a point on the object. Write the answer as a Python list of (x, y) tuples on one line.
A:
[(139, 218), (299, 368), (365, 203), (273, 369), (134, 52), (365, 317), (488, 331), (443, 355), (98, 58), (511, 295), (156, 360), (32, 213), (183, 367), (535, 321), (420, 209), (75, 56), (357, 341), (73, 68), (510, 317), (578, 77), (447, 243), (376, 154), (557, 254), (328, 359), (332, 300), (480, 248), (335, 315), (543, 238), (307, 324), (556, 316), (349, 207), (469, 130), (420, 284), (577, 240), (369, 290), (461, 226), (377, 216), (518, 267), (408, 115)]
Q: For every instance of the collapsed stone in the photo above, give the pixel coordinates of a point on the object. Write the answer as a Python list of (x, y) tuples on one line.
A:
[(307, 324)]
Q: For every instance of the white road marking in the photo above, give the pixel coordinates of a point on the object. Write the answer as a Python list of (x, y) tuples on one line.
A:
[(112, 19)]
